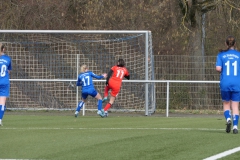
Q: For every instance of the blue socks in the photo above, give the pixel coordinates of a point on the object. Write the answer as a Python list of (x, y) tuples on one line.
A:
[(99, 105), (227, 114), (235, 120), (80, 104), (2, 110)]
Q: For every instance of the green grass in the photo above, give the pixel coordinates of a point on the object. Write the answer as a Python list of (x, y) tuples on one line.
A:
[(63, 137)]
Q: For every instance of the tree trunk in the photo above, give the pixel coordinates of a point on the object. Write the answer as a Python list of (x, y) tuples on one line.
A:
[(196, 50)]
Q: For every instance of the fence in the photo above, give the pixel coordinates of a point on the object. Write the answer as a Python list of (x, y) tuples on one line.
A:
[(174, 93), (56, 56), (185, 86)]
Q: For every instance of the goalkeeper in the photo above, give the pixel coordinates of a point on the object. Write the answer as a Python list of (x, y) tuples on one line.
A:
[(114, 83), (85, 80)]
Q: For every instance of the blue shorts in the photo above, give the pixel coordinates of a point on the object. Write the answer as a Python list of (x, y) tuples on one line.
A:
[(230, 95), (91, 91), (5, 90)]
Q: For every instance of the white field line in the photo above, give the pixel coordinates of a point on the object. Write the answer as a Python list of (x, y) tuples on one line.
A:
[(223, 154), (33, 128)]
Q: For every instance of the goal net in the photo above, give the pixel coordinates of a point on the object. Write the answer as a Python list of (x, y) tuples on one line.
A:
[(46, 64)]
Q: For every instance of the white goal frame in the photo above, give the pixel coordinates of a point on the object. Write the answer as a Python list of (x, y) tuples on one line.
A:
[(144, 32)]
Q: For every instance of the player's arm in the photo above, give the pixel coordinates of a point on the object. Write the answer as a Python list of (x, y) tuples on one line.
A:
[(79, 82), (127, 77), (97, 76), (219, 69), (109, 75), (10, 66), (219, 64)]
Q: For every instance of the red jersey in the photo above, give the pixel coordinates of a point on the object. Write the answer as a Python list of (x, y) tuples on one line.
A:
[(115, 81), (118, 74)]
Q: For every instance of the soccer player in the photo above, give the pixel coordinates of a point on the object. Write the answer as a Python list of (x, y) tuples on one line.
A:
[(85, 80), (114, 83), (5, 67), (228, 65)]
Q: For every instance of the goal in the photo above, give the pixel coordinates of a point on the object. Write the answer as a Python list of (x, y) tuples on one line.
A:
[(46, 62)]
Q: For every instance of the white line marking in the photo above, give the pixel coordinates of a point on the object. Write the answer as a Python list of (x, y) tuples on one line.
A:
[(223, 154), (203, 129)]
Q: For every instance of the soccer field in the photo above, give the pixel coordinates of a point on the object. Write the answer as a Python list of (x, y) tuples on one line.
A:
[(117, 137)]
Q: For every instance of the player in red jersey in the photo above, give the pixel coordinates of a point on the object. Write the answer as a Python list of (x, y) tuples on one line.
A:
[(114, 82)]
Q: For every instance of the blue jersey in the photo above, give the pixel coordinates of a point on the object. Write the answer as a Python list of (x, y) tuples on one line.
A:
[(229, 61), (5, 66), (85, 80)]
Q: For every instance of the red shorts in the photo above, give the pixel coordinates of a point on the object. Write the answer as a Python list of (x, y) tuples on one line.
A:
[(115, 88)]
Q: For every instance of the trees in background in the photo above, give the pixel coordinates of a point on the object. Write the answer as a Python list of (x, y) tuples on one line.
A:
[(176, 25)]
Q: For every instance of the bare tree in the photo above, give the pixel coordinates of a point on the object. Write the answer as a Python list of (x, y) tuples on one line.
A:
[(193, 21)]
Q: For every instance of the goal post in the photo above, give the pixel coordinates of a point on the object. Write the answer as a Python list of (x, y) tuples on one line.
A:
[(46, 62)]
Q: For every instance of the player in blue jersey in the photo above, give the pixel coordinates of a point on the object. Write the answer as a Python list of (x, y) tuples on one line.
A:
[(5, 67), (228, 65), (85, 80)]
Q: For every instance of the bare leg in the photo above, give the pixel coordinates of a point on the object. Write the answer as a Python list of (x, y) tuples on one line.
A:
[(226, 105), (98, 96), (112, 99), (235, 110), (2, 108), (3, 100)]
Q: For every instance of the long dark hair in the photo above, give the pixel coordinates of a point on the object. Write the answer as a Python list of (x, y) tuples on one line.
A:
[(121, 63), (230, 42), (2, 47)]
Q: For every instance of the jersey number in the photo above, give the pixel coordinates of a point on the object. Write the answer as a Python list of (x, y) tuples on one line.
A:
[(3, 70), (86, 81), (234, 64), (120, 73)]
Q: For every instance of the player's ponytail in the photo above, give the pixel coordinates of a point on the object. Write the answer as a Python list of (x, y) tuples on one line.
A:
[(2, 47), (230, 42), (83, 68)]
